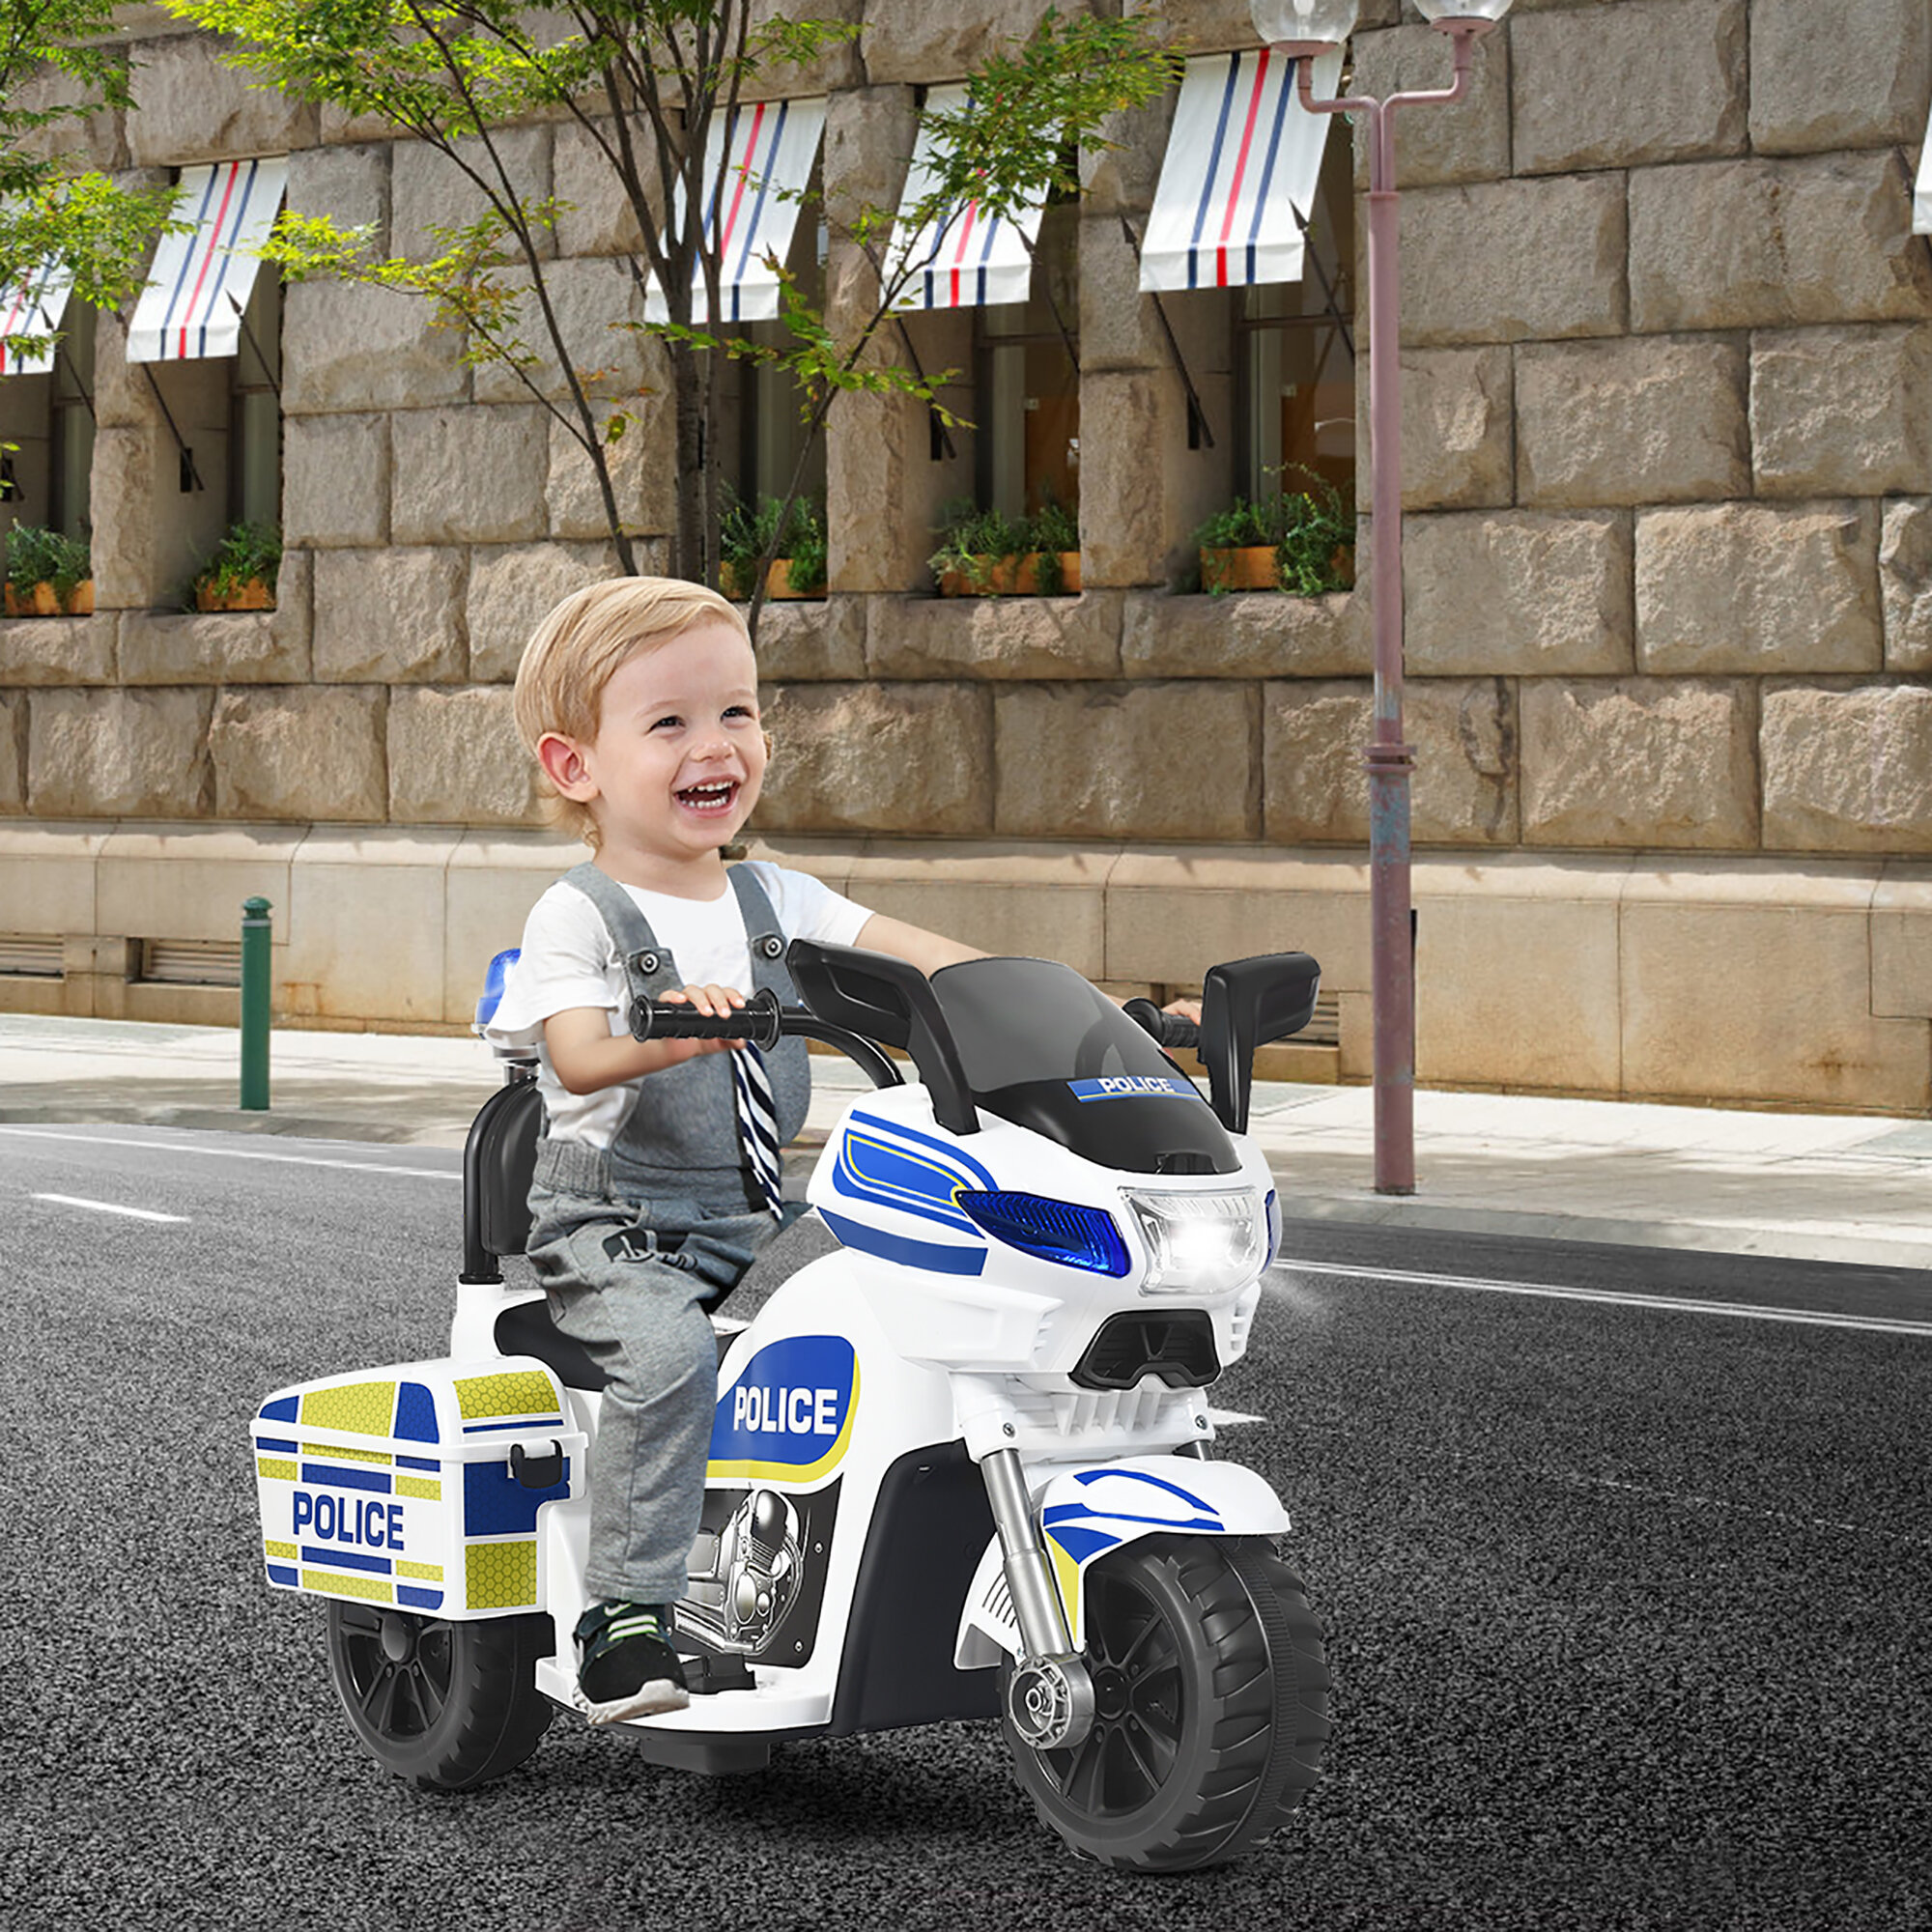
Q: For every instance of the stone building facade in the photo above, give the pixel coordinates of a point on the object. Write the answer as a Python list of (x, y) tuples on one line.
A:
[(1667, 448)]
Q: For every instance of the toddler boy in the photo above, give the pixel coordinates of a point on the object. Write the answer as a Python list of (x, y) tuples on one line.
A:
[(639, 700)]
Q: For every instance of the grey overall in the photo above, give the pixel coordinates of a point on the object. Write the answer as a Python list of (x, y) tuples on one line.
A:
[(635, 1242)]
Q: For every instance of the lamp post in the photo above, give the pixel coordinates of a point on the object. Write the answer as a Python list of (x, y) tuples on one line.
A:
[(1303, 30)]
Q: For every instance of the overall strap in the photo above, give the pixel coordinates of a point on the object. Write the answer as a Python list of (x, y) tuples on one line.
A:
[(787, 1064), (648, 967)]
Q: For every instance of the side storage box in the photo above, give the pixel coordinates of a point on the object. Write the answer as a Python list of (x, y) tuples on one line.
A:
[(418, 1485)]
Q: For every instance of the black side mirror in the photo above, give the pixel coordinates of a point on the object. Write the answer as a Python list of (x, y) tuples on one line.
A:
[(1244, 1003), (891, 1000)]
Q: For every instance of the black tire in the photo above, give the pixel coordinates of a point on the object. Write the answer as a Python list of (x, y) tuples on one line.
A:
[(447, 1705), (1213, 1707)]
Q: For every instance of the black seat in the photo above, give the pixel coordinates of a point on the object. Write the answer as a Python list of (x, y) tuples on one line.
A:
[(498, 1158)]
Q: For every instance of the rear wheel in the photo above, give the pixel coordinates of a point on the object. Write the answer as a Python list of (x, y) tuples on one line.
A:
[(445, 1704), (1212, 1707)]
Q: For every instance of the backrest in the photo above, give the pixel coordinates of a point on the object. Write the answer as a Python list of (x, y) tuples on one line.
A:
[(498, 1158)]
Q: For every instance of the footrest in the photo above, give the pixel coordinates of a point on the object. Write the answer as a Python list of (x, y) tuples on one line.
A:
[(706, 1673)]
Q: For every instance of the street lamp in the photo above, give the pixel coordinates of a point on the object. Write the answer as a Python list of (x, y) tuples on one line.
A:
[(1303, 30)]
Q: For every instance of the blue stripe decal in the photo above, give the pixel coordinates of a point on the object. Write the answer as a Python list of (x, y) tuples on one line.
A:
[(345, 1560), (267, 1442), (1133, 1085), (1144, 1476), (411, 1598), (416, 1416), (941, 1258), (947, 1148), (283, 1409), (347, 1479), (528, 1427), (280, 1573), (417, 1463)]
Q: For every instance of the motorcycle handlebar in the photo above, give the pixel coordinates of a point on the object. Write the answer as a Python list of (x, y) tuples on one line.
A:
[(1168, 1030), (762, 1021)]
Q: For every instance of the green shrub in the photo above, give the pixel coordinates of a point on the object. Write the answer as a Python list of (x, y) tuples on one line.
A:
[(249, 551), (1306, 530), (36, 555), (746, 532), (973, 541)]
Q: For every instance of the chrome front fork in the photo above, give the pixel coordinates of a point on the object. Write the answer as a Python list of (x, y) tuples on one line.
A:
[(1050, 1696)]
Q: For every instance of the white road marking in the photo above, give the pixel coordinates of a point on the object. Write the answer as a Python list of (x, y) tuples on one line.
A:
[(238, 1154), (108, 1208), (1740, 1311)]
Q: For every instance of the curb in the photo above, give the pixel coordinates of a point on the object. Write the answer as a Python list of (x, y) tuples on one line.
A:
[(1694, 1237)]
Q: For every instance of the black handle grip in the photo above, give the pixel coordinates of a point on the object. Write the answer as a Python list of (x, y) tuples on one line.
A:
[(1167, 1028), (757, 1020)]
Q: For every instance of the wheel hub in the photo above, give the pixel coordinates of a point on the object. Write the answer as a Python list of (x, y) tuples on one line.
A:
[(1050, 1701), (399, 1640)]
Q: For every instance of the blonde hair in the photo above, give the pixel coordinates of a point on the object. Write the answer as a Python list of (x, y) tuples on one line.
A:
[(579, 647)]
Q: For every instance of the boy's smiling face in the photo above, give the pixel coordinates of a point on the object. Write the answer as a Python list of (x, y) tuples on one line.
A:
[(678, 758)]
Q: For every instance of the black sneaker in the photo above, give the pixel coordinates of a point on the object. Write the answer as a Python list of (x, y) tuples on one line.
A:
[(625, 1668)]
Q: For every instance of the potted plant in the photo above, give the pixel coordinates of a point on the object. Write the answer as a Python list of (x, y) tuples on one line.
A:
[(47, 573), (1301, 541), (795, 545), (240, 573), (987, 553)]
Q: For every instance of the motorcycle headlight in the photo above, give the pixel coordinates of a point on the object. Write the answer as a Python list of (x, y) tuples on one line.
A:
[(1201, 1243)]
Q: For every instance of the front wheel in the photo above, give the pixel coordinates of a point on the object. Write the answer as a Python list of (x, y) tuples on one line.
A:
[(445, 1704), (1212, 1707)]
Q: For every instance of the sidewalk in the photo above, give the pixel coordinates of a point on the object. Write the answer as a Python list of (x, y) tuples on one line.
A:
[(1827, 1187)]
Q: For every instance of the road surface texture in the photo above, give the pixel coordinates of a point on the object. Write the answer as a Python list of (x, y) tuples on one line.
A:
[(1625, 1581)]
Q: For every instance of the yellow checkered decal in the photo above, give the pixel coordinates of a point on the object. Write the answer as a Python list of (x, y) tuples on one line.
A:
[(361, 1409), (421, 1486), (286, 1551), (500, 1575), (333, 1583), (520, 1392), (274, 1468), (423, 1573)]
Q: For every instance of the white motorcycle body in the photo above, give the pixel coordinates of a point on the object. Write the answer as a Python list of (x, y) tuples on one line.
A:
[(1000, 1300)]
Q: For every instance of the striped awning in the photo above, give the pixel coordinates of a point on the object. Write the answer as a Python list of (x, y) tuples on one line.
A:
[(34, 308), (964, 257), (1241, 150), (1921, 193), (201, 279), (768, 151)]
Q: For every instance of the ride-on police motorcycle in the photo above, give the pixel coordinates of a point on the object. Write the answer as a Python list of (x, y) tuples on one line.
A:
[(961, 1466)]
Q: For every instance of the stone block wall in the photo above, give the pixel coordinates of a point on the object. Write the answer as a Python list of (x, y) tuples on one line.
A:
[(1667, 362)]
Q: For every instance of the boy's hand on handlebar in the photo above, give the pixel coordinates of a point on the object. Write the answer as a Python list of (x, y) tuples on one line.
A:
[(587, 1056), (715, 1003)]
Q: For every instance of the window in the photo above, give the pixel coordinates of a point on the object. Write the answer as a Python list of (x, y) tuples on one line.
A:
[(1294, 355), (770, 434), (1025, 407), (255, 409)]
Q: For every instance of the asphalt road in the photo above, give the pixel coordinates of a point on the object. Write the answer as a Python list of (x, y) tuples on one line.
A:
[(1627, 1599)]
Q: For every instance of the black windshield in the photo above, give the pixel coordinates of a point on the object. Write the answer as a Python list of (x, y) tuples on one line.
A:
[(1043, 1049)]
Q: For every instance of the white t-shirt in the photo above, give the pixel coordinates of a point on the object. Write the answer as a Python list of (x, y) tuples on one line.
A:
[(569, 959)]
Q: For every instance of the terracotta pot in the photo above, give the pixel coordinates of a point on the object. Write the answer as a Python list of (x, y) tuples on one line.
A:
[(1251, 567), (779, 583), (1010, 577), (254, 595), (43, 601)]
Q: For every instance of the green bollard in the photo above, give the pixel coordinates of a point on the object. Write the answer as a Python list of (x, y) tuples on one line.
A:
[(255, 934)]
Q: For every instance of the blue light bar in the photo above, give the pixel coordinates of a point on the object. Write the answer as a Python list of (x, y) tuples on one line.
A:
[(1052, 1231)]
